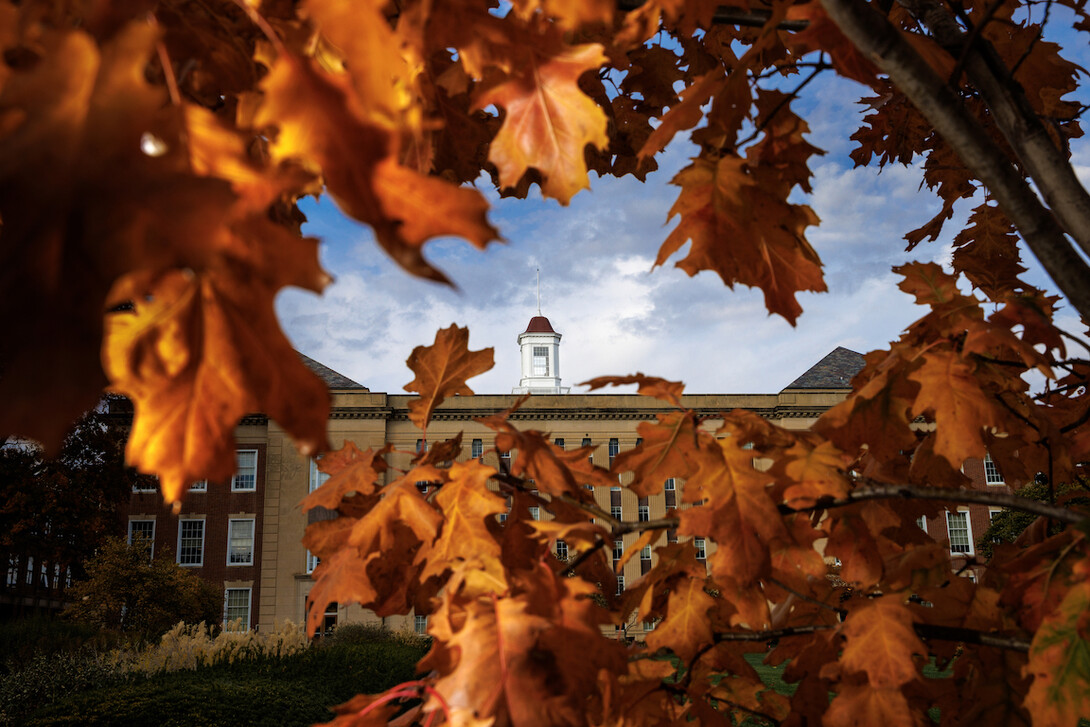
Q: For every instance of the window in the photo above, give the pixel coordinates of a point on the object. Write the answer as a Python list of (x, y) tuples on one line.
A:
[(312, 562), (317, 477), (541, 360), (992, 475), (618, 551), (992, 512), (476, 449), (143, 530), (245, 479), (701, 552), (670, 485), (644, 513), (505, 461), (614, 450), (645, 554), (191, 542), (921, 523), (420, 624), (649, 625), (535, 512), (236, 608), (587, 443), (561, 549), (620, 585), (958, 528), (146, 483), (615, 511), (199, 486), (503, 517), (671, 537), (559, 442), (240, 542)]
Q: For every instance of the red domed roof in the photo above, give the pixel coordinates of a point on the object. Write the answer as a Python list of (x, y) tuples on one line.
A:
[(539, 324)]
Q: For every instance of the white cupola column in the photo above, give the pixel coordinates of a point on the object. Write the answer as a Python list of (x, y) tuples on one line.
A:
[(540, 349)]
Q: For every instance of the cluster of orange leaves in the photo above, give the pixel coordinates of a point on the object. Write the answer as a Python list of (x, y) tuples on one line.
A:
[(151, 157)]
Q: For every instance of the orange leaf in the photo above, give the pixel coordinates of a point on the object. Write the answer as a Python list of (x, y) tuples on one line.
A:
[(1059, 661), (865, 706), (468, 506), (548, 120), (441, 371), (668, 391), (342, 578), (667, 450), (686, 628), (351, 471), (963, 410), (880, 640)]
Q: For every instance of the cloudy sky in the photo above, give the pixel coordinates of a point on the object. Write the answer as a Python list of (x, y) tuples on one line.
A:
[(598, 289)]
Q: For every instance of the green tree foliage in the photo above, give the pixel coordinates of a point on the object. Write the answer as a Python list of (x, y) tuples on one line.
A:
[(59, 509), (1008, 525), (127, 591)]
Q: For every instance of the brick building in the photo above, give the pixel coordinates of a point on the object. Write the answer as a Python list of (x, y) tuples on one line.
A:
[(245, 534)]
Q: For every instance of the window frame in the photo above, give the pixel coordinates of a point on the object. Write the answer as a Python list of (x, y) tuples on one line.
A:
[(420, 624), (561, 545), (701, 546), (182, 522), (236, 486), (227, 606), (230, 537), (539, 361), (317, 477), (994, 476), (199, 486), (476, 449), (150, 538), (968, 533)]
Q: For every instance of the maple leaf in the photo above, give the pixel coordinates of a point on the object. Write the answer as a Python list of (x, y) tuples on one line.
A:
[(548, 120), (441, 371)]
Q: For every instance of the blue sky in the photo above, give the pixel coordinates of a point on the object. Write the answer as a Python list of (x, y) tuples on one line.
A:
[(598, 289)]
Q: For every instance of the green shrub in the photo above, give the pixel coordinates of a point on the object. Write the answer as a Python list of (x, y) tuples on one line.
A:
[(293, 690), (49, 678), (23, 639)]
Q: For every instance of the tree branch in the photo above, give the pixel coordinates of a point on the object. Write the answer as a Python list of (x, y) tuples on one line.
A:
[(879, 491), (1015, 117), (924, 631), (873, 34)]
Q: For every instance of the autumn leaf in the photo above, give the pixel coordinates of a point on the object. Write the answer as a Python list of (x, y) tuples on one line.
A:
[(879, 640), (350, 471), (686, 627), (668, 450), (721, 204), (1059, 661), (962, 410), (342, 578), (467, 506), (441, 371), (548, 120), (668, 391)]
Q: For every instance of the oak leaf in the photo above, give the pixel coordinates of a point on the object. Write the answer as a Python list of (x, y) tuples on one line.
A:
[(441, 371), (548, 120), (1059, 661), (879, 639), (686, 628), (669, 449), (467, 506), (350, 471)]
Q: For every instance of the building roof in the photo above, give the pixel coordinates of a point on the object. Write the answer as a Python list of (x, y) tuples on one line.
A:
[(331, 378), (539, 324), (835, 371)]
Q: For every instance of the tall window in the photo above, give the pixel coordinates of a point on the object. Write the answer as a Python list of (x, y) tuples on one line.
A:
[(317, 477), (191, 542), (541, 360), (245, 479), (236, 608), (644, 511), (921, 523), (701, 551), (476, 449), (992, 475), (958, 529), (561, 549), (312, 562), (645, 554), (614, 450), (615, 511), (670, 485), (420, 624), (143, 531), (618, 551), (240, 542), (587, 443), (535, 512), (620, 585)]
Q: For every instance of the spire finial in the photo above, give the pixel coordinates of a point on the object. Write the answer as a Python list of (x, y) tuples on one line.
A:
[(539, 291)]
